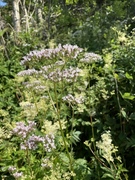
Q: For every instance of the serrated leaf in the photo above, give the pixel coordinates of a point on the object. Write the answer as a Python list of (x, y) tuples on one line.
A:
[(75, 137)]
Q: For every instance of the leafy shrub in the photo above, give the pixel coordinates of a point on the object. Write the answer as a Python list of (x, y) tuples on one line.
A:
[(60, 119)]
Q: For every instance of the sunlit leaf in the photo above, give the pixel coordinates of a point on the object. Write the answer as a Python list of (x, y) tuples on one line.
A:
[(128, 96), (128, 76)]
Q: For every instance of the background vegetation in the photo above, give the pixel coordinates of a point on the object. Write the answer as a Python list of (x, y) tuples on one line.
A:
[(67, 91)]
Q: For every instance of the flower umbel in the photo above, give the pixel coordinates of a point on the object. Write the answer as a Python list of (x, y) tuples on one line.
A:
[(29, 72), (60, 51), (32, 142), (22, 130), (90, 58), (74, 100)]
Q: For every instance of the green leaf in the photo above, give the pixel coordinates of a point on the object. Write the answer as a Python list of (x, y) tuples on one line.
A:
[(132, 116), (131, 142), (128, 76), (70, 1), (106, 176), (64, 158), (128, 96), (3, 31), (74, 137), (123, 113)]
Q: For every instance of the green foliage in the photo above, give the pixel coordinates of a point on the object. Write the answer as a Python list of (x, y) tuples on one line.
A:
[(91, 116), (71, 90), (82, 170)]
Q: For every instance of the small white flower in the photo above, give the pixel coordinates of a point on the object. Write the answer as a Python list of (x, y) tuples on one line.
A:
[(18, 174), (90, 58), (71, 99), (106, 146)]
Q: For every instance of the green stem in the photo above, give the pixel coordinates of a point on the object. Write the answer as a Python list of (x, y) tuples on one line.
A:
[(116, 170), (57, 110), (118, 100), (93, 134), (91, 121), (29, 170)]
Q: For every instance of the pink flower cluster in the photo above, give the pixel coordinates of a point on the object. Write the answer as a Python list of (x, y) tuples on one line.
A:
[(29, 140), (13, 170), (60, 51)]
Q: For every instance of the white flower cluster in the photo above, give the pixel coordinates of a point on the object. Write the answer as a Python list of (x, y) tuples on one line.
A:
[(65, 50), (90, 58), (13, 170), (31, 142), (32, 84), (68, 75), (57, 75), (106, 147), (36, 86), (29, 72), (46, 163), (22, 130), (71, 99)]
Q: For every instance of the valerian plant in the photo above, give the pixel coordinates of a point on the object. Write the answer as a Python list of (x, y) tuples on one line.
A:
[(62, 89)]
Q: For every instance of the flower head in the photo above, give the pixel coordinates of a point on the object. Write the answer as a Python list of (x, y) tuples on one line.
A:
[(68, 75), (13, 170), (67, 50), (22, 130), (28, 72), (90, 58), (17, 174), (46, 163), (106, 146), (49, 143), (32, 142), (74, 100)]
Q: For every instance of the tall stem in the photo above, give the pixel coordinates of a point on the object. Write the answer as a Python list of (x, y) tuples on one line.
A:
[(57, 110), (91, 121), (118, 100)]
